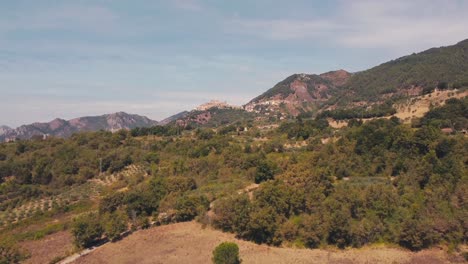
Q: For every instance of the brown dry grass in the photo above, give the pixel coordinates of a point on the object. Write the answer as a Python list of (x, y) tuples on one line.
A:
[(418, 106), (43, 251), (414, 107), (190, 243)]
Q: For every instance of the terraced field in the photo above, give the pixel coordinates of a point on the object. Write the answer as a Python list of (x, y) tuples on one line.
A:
[(89, 190), (85, 191), (128, 173)]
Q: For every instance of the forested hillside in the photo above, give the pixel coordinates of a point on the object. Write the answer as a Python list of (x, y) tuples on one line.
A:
[(343, 95), (376, 182), (445, 67)]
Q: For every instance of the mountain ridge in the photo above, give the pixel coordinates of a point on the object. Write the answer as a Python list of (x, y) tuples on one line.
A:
[(375, 89), (408, 76), (64, 128), (298, 93)]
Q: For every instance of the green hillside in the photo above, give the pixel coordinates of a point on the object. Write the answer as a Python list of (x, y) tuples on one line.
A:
[(380, 181), (445, 66)]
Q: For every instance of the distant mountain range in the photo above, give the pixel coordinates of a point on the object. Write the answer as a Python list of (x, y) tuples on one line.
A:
[(377, 88), (173, 118), (65, 128)]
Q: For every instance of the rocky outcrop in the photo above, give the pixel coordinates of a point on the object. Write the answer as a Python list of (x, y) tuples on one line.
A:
[(337, 78), (298, 93)]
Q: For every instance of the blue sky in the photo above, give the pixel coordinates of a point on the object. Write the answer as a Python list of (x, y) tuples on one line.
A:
[(156, 58)]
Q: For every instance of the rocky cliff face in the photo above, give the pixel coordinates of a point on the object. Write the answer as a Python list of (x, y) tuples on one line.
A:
[(298, 93), (337, 78), (63, 128)]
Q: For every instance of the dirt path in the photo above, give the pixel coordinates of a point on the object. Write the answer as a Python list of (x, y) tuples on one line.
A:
[(74, 257), (190, 243)]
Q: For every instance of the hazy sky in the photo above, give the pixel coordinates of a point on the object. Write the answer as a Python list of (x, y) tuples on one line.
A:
[(159, 57)]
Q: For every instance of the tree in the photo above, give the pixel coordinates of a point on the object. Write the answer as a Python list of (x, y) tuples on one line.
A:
[(442, 85), (263, 224), (226, 253), (114, 225), (416, 233), (188, 207), (265, 171), (233, 214), (87, 230), (112, 202)]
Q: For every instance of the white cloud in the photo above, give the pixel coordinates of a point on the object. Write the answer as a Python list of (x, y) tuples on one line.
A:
[(401, 24), (398, 25)]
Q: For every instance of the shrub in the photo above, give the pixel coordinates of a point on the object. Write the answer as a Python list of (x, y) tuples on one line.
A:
[(10, 253), (180, 184), (114, 225), (87, 230), (188, 207), (442, 85), (226, 253), (265, 171)]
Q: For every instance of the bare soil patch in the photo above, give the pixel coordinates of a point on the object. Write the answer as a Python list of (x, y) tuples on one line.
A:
[(190, 243), (418, 106)]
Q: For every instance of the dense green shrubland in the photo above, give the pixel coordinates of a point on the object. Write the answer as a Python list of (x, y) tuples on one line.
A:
[(443, 68), (380, 181)]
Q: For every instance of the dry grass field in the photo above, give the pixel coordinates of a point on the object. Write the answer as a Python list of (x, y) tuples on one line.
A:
[(54, 246), (418, 106), (190, 243)]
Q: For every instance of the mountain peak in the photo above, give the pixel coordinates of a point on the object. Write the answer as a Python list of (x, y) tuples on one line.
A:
[(337, 78), (298, 93), (462, 43), (120, 113)]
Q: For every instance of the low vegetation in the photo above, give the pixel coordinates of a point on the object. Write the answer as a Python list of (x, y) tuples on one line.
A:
[(226, 253)]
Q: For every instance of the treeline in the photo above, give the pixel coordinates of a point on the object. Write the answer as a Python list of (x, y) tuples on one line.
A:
[(381, 110), (418, 203), (122, 212), (454, 114), (445, 86), (62, 162), (300, 129), (442, 67), (156, 131)]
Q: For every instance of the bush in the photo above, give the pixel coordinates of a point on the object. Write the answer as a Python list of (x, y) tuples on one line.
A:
[(180, 184), (265, 171), (442, 85), (188, 207), (87, 230), (226, 253), (114, 225), (10, 253)]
